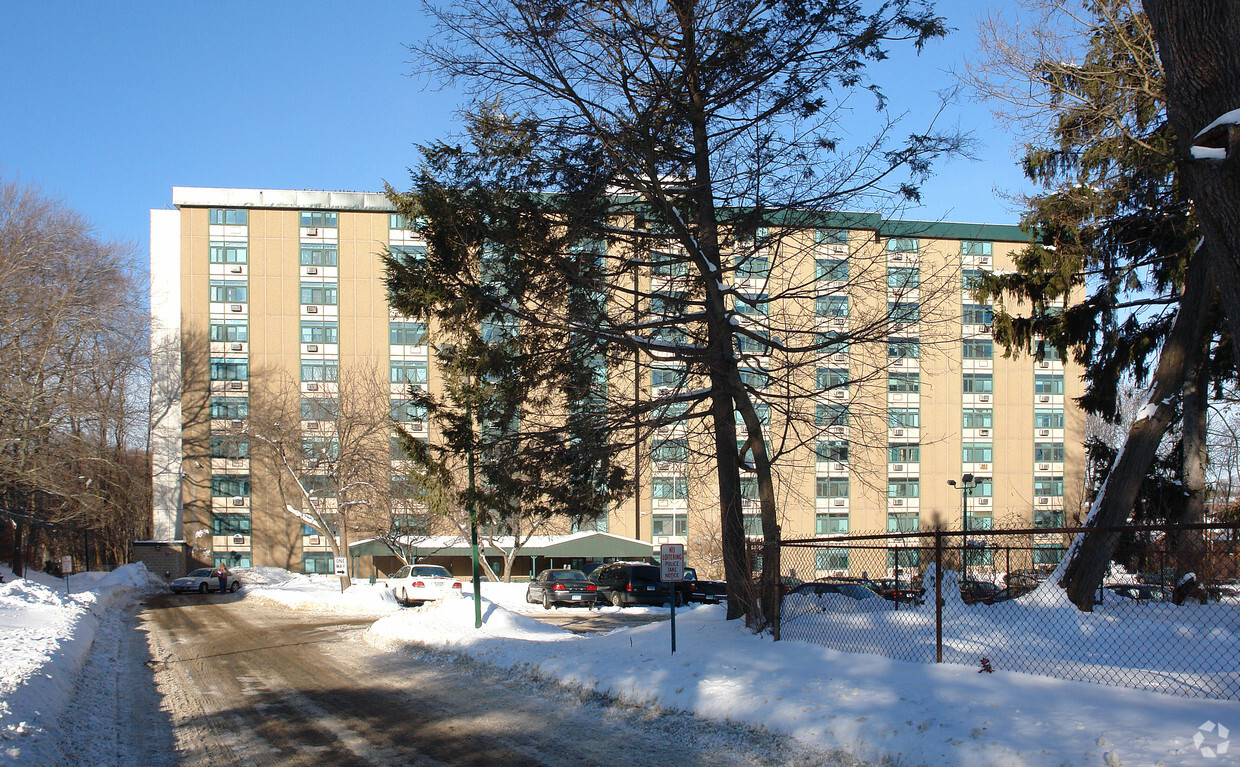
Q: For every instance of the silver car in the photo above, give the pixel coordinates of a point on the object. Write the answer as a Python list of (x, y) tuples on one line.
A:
[(204, 579)]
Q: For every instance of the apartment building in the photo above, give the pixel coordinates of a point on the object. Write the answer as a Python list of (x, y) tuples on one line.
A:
[(289, 284)]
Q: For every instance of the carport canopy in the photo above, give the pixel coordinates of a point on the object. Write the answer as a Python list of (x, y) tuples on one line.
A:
[(584, 545)]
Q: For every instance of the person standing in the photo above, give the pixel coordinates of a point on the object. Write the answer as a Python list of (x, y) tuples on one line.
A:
[(222, 574)]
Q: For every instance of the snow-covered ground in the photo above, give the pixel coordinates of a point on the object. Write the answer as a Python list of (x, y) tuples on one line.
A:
[(873, 707)]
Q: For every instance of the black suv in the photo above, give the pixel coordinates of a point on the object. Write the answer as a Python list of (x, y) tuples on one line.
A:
[(633, 583)]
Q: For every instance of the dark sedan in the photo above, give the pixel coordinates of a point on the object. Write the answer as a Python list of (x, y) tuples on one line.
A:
[(562, 587)]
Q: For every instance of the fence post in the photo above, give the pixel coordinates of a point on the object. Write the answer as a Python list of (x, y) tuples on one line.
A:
[(896, 588), (938, 593)]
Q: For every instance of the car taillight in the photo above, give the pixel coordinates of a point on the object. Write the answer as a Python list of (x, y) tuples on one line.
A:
[(456, 584), (418, 585), (628, 587), (558, 587), (591, 587)]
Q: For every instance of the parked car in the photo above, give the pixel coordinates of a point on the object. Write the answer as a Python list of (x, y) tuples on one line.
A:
[(1139, 592), (1006, 594), (853, 589), (634, 583), (1026, 578), (705, 591), (972, 592), (562, 587), (202, 580), (901, 591), (414, 585)]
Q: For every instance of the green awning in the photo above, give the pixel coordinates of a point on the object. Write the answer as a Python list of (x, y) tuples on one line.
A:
[(591, 545)]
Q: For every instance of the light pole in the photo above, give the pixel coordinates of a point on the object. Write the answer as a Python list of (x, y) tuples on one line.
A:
[(967, 483), (449, 350)]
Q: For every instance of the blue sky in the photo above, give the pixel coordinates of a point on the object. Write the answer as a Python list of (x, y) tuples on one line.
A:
[(111, 105)]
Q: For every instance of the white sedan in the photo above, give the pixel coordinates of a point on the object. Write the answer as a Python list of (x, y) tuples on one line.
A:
[(418, 584), (203, 580)]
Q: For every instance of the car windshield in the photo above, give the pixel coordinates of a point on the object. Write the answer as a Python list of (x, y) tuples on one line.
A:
[(431, 571), (201, 573), (566, 575)]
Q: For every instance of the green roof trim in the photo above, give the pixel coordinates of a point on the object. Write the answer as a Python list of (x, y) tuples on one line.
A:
[(949, 230), (590, 546)]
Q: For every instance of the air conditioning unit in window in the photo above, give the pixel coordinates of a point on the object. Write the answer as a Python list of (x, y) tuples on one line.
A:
[(235, 347), (315, 540), (662, 503), (312, 387), (750, 503), (312, 425), (312, 270), (1044, 398), (986, 328), (897, 257), (838, 501), (1043, 500), (983, 467), (897, 432), (312, 231), (838, 394), (417, 426), (312, 347), (839, 358), (663, 466), (1044, 467), (983, 501), (236, 270), (663, 391), (312, 310), (236, 385), (837, 466), (835, 429), (1044, 432), (238, 540), (983, 398), (238, 501), (235, 308), (983, 432), (238, 424), (897, 397), (897, 501), (897, 467), (984, 260)]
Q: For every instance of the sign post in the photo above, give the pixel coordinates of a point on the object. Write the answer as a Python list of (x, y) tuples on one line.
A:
[(672, 570), (342, 569), (66, 567)]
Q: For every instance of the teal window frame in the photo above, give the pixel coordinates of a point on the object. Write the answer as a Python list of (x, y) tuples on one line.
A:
[(230, 524), (903, 418), (229, 370), (976, 248), (903, 453), (1048, 419), (408, 372), (831, 487), (319, 254), (228, 252), (831, 306), (319, 293), (903, 348), (229, 408), (407, 333), (977, 314), (320, 370), (230, 331), (835, 558), (978, 349), (903, 277), (832, 450), (229, 216), (904, 383), (1048, 384), (977, 418), (230, 485), (1048, 452), (320, 332), (978, 383), (977, 452), (828, 523), (321, 219), (831, 269), (229, 292), (903, 487), (669, 488), (902, 245)]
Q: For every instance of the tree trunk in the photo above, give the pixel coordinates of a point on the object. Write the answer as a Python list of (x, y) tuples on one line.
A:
[(1197, 44), (1188, 547), (1086, 562), (18, 565)]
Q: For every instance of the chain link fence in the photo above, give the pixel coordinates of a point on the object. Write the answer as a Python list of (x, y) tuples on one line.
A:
[(879, 593)]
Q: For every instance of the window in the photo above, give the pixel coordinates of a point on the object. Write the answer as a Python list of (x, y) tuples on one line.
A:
[(324, 218), (397, 221), (831, 559), (831, 378), (1047, 517), (898, 453), (669, 451), (831, 236), (830, 524), (983, 487), (981, 521), (669, 304), (320, 448), (405, 371), (319, 486), (318, 293), (1048, 384), (832, 450), (749, 488), (1050, 452), (407, 334), (903, 277), (903, 418), (404, 411), (831, 306), (978, 383), (903, 311), (1048, 419), (1048, 486), (229, 370), (670, 488), (975, 248), (903, 245), (903, 348), (1049, 353), (752, 304), (320, 333), (906, 487), (831, 269), (320, 408), (235, 331), (832, 343), (976, 314), (317, 562), (754, 268), (230, 408), (1047, 553), (753, 524), (755, 379), (230, 447), (903, 522), (971, 278), (668, 265), (903, 559), (229, 485), (319, 370), (667, 376), (407, 254), (978, 452), (979, 349), (228, 252), (230, 217), (668, 524), (402, 488), (831, 487), (904, 382), (223, 292), (831, 414), (763, 411), (318, 255), (749, 345), (977, 418), (230, 524)]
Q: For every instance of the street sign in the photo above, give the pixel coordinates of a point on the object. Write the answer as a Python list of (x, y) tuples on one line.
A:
[(342, 565), (66, 565), (671, 562)]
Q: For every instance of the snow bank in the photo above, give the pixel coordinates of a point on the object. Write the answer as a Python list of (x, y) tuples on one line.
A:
[(46, 634), (314, 592)]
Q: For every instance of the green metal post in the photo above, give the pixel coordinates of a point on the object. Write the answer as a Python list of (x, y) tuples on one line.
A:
[(473, 521)]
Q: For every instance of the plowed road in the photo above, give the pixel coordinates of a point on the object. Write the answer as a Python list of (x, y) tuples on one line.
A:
[(248, 683)]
